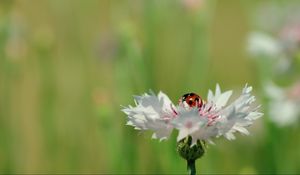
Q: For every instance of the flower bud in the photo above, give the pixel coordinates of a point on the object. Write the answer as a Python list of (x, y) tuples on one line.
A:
[(188, 152)]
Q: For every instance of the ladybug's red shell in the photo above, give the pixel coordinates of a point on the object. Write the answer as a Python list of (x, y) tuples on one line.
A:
[(191, 99)]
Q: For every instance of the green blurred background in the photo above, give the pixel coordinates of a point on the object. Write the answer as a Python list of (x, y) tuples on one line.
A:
[(67, 66)]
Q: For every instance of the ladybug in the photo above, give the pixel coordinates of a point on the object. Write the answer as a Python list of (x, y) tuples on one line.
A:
[(192, 100)]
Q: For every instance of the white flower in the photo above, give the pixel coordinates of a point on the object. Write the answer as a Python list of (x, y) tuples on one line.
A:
[(262, 44), (266, 46), (277, 35), (284, 104), (203, 121)]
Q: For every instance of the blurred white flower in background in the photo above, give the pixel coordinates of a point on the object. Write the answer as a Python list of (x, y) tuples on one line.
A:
[(284, 103), (275, 41), (289, 37), (265, 46), (276, 35), (193, 116), (262, 44)]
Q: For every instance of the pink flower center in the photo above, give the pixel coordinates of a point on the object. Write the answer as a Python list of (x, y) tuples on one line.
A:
[(189, 124)]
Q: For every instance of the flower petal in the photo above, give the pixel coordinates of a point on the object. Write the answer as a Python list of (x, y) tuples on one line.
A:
[(151, 113), (238, 115), (222, 99), (219, 99)]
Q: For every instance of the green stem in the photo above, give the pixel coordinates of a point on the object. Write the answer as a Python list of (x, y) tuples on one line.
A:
[(191, 167)]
